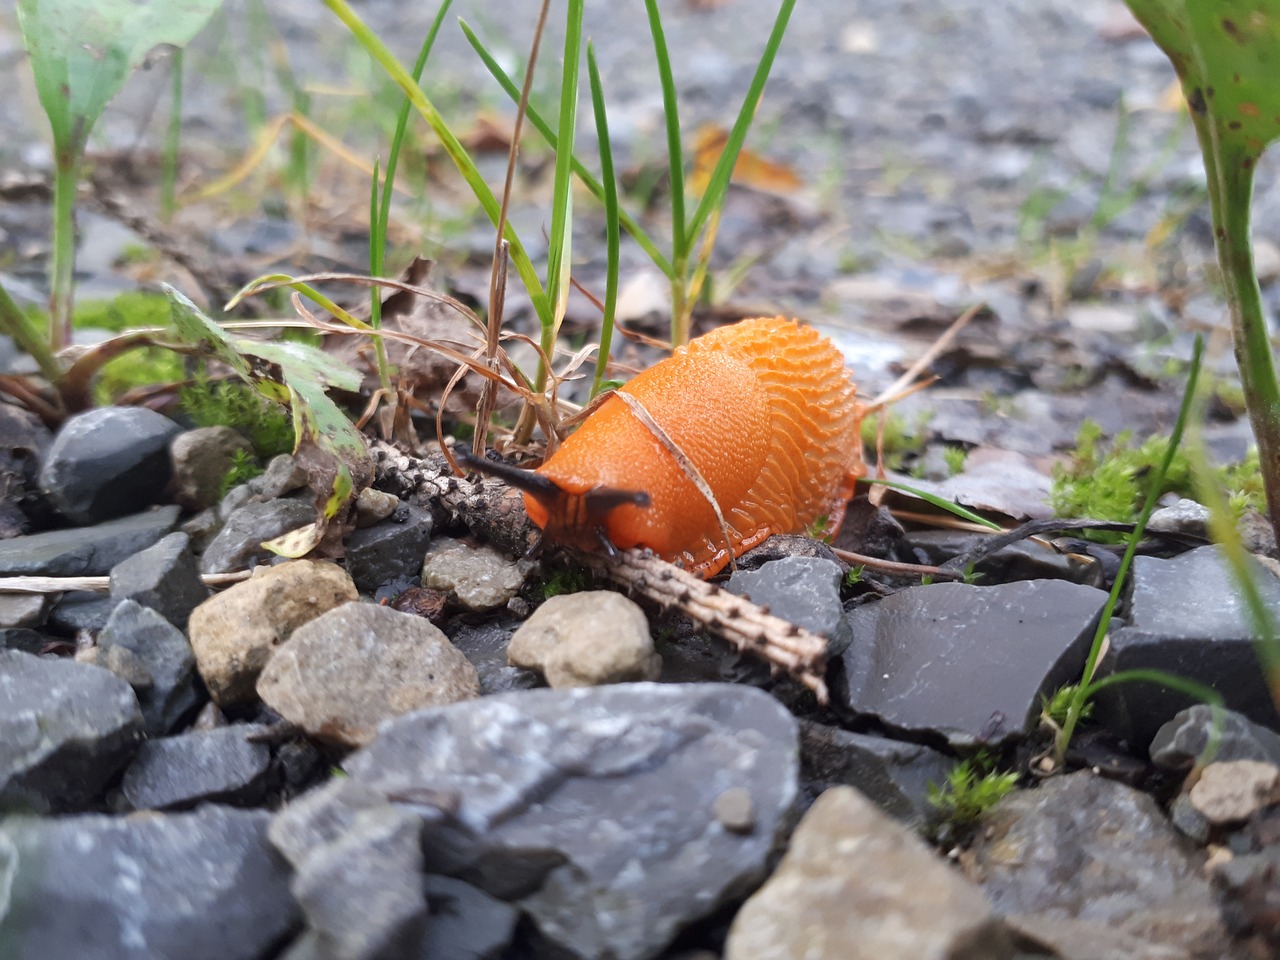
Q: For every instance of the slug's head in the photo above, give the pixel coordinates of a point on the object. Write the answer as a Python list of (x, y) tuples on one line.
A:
[(574, 519)]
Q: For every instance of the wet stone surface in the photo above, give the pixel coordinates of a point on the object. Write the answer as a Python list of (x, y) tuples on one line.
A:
[(969, 663)]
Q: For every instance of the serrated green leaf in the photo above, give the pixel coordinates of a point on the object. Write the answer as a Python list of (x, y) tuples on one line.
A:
[(82, 51)]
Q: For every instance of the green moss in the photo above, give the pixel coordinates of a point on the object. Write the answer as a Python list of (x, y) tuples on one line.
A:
[(137, 308), (902, 441), (565, 580), (972, 788), (244, 467), (954, 457), (233, 404), (1108, 481), (144, 367)]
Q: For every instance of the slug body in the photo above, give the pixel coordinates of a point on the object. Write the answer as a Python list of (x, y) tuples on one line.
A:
[(763, 410)]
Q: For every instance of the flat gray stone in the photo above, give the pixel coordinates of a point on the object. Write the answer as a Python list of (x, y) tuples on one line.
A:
[(892, 774), (238, 545), (66, 729), (218, 766), (85, 551), (200, 886), (801, 590), (969, 663), (1186, 618), (593, 810)]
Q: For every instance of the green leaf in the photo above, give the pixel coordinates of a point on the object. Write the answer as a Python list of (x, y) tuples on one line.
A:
[(82, 51)]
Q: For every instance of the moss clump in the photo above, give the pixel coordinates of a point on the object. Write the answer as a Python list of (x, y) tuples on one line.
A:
[(1102, 481), (233, 404), (972, 788)]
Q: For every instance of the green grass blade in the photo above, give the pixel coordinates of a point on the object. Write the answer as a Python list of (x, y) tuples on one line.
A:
[(536, 120), (675, 153), (560, 247), (453, 147), (718, 184), (940, 502), (610, 218), (402, 124), (1063, 739)]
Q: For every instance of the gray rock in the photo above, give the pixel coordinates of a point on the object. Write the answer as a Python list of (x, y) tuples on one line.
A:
[(174, 694), (893, 775), (593, 809), (1186, 618), (1093, 849), (485, 645), (22, 638), (66, 729), (86, 551), (1185, 516), (480, 578), (238, 544), (218, 766), (1078, 939), (1181, 742), (853, 885), (108, 462), (390, 549), (970, 663), (362, 893), (23, 609), (234, 633), (80, 610), (201, 886), (466, 923), (800, 590), (340, 675), (201, 460), (164, 577), (586, 639)]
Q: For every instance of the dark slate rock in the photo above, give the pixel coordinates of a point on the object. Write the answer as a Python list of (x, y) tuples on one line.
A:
[(220, 766), (108, 462), (1186, 618), (389, 549), (894, 775), (485, 645), (86, 551), (1018, 561), (593, 809), (164, 577), (200, 886), (362, 893), (81, 610), (22, 638), (466, 923), (1183, 740), (969, 663), (801, 590), (23, 609), (239, 543), (175, 692), (1085, 847), (66, 729)]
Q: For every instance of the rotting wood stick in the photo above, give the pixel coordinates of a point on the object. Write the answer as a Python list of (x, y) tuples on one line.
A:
[(749, 628)]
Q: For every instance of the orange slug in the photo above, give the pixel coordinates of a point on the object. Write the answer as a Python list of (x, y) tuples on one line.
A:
[(762, 412)]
